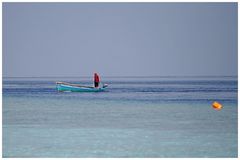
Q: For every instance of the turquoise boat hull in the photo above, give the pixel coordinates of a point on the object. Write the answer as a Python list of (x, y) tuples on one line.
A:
[(66, 87)]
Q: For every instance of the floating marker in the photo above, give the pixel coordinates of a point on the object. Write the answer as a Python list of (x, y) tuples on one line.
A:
[(217, 106)]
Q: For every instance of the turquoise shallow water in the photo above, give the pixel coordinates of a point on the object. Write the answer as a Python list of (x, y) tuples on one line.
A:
[(147, 117)]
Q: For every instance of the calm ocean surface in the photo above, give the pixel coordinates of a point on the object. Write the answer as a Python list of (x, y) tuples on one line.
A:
[(135, 117)]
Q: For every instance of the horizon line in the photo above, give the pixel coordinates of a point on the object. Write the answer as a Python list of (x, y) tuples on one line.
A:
[(152, 76)]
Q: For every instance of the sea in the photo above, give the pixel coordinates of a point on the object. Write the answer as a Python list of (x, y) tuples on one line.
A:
[(136, 117)]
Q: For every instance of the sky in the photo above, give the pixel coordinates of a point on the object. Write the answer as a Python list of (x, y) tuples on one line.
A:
[(119, 39)]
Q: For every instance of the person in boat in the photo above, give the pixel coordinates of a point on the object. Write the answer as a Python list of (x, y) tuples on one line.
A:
[(96, 80)]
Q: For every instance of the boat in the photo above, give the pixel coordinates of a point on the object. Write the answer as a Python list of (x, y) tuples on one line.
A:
[(63, 86)]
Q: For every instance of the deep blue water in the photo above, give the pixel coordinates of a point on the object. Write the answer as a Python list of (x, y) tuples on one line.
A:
[(135, 117)]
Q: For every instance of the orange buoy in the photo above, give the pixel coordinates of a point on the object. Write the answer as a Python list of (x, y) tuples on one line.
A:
[(217, 106)]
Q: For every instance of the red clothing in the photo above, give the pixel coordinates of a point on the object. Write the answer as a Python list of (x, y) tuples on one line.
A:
[(96, 78)]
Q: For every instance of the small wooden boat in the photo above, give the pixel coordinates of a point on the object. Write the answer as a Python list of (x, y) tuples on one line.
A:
[(63, 86)]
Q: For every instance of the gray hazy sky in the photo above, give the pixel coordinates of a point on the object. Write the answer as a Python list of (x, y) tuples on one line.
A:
[(119, 39)]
